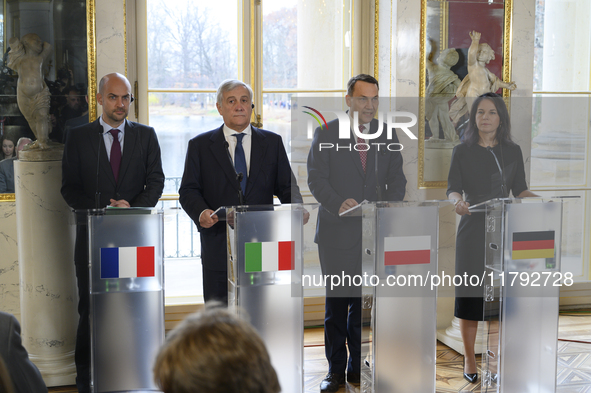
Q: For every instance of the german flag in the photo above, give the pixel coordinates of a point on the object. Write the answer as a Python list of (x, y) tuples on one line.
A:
[(533, 245)]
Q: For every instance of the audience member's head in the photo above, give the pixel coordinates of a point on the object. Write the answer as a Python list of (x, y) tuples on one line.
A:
[(22, 142), (73, 98), (214, 351), (8, 147)]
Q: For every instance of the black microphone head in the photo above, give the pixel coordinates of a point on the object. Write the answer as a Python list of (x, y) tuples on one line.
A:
[(489, 148), (226, 144), (240, 177)]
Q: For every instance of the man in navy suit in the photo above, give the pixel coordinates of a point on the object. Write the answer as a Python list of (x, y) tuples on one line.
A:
[(109, 162), (233, 162), (25, 376), (340, 179)]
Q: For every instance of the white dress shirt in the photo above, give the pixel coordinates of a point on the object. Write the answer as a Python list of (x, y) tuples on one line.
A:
[(246, 143), (232, 140)]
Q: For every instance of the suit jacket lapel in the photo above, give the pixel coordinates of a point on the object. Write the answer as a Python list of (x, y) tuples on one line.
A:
[(220, 152), (98, 143), (258, 149), (130, 141)]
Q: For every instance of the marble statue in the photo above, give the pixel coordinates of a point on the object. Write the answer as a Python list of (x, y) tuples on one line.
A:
[(443, 83), (26, 57), (479, 79)]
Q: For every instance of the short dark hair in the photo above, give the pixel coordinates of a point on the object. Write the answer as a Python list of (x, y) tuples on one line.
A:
[(503, 134), (362, 78), (216, 352)]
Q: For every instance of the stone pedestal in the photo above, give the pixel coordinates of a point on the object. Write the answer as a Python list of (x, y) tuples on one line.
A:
[(47, 279), (437, 159), (9, 271)]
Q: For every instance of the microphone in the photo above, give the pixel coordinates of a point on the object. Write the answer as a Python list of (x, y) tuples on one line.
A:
[(378, 187), (97, 195), (503, 188), (239, 176)]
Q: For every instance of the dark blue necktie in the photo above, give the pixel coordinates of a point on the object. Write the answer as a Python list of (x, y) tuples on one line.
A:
[(240, 161)]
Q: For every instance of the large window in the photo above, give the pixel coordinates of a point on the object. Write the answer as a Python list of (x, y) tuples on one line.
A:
[(192, 47), (560, 158), (279, 47)]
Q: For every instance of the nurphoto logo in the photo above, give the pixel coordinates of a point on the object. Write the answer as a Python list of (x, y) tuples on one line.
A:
[(394, 119)]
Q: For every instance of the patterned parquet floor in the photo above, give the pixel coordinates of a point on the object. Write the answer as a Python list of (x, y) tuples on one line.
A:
[(573, 369)]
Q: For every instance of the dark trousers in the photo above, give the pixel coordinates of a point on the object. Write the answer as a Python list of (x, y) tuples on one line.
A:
[(342, 317), (82, 354), (342, 322), (215, 285)]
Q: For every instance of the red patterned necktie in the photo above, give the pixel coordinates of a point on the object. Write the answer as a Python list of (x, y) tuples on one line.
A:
[(362, 153), (115, 153)]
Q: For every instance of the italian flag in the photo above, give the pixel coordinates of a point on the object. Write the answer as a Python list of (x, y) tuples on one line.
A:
[(268, 256), (127, 262), (407, 250), (533, 245)]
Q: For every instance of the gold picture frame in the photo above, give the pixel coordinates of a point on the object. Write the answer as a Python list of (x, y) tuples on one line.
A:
[(439, 19), (91, 62)]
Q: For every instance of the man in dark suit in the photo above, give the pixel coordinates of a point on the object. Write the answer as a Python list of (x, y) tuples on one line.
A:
[(235, 161), (109, 162), (340, 180), (25, 376)]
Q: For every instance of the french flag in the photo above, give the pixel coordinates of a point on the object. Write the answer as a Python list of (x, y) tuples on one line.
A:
[(127, 262)]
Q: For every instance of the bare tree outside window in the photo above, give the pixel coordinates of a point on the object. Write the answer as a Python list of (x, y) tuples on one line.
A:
[(189, 46)]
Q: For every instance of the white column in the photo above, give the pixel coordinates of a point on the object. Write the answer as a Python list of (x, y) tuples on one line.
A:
[(49, 295)]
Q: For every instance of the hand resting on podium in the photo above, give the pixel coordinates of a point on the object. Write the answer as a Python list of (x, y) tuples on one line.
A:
[(119, 203)]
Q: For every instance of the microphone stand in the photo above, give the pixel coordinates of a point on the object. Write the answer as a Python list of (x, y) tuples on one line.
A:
[(378, 187), (503, 188), (97, 195)]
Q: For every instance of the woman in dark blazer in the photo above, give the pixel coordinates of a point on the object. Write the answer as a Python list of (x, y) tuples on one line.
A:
[(487, 164)]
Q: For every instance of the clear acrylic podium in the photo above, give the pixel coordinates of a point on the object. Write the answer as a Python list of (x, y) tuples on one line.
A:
[(126, 298), (523, 247), (264, 281), (400, 247)]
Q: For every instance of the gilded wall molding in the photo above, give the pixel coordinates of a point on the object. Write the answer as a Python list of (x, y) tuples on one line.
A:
[(507, 45), (7, 198), (125, 35), (376, 40), (91, 53)]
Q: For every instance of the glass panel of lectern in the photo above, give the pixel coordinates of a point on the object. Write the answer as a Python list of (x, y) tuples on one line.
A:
[(126, 297), (400, 251), (265, 281), (522, 281)]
